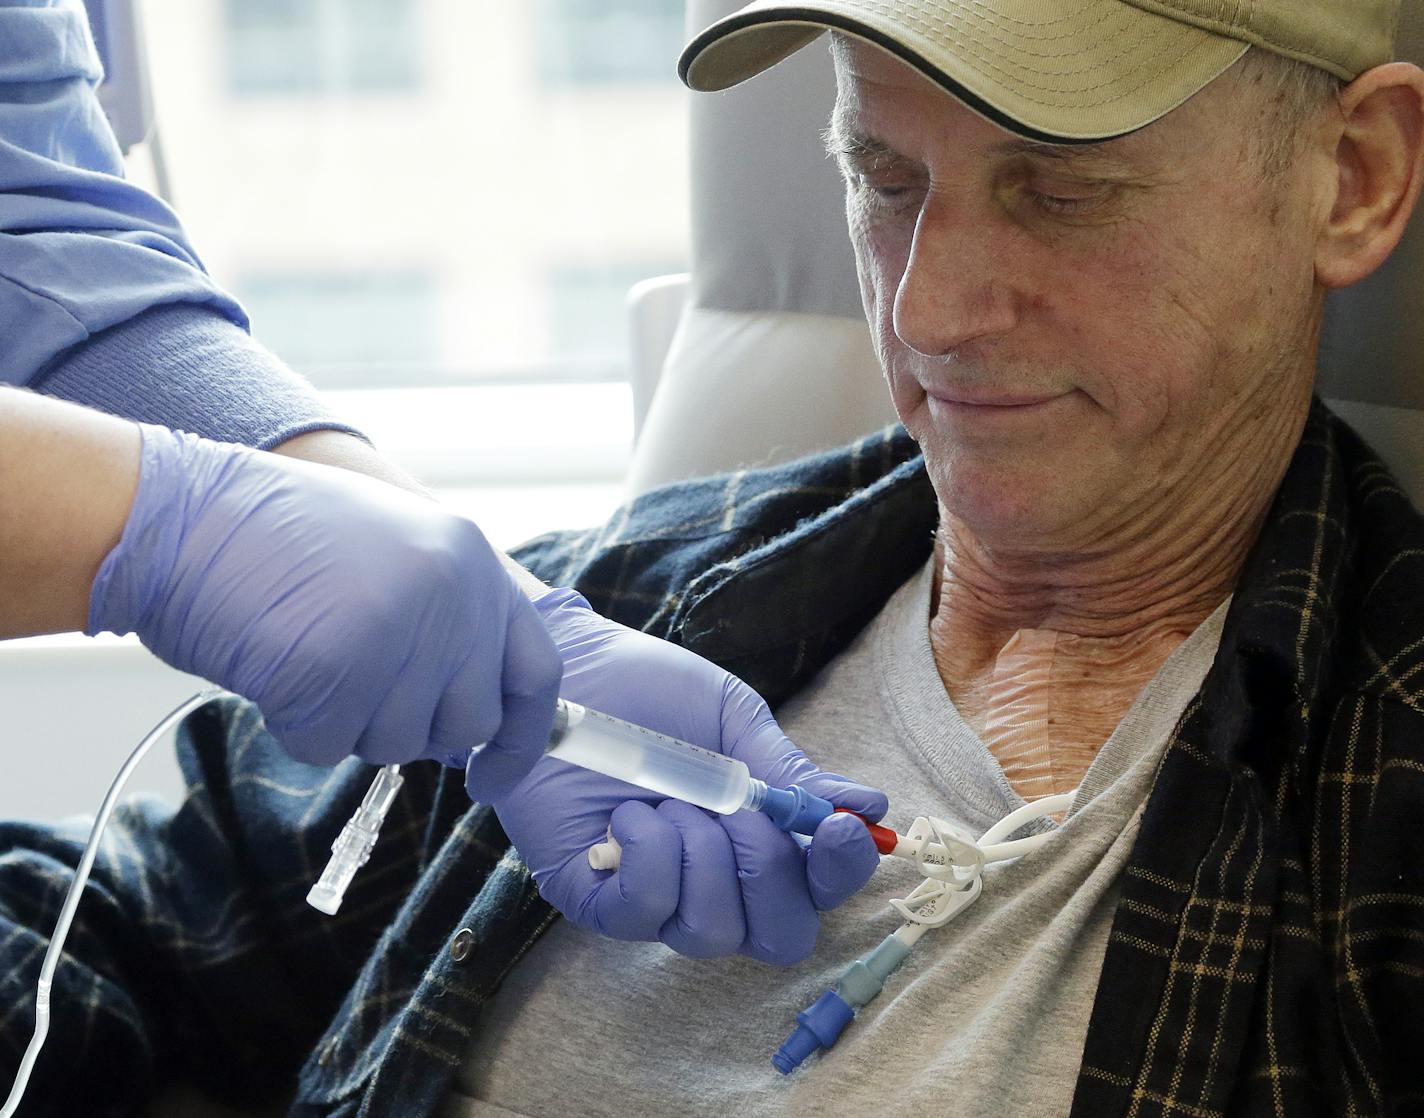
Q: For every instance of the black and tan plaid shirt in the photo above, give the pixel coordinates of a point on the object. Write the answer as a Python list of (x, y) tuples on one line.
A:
[(1267, 954)]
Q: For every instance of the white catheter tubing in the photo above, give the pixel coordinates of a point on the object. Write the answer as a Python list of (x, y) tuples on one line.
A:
[(996, 851), (76, 890)]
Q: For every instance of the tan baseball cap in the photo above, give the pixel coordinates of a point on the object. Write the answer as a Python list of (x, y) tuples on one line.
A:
[(1057, 69)]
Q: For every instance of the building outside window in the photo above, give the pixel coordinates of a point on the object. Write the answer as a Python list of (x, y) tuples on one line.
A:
[(287, 47), (350, 329), (417, 192), (607, 42)]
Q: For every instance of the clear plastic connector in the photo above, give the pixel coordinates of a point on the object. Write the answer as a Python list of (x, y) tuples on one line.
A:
[(352, 847)]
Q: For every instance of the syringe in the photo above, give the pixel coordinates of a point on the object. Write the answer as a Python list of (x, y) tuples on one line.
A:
[(683, 771), (628, 752), (676, 769)]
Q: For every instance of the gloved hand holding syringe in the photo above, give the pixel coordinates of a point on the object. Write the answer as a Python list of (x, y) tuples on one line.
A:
[(636, 755)]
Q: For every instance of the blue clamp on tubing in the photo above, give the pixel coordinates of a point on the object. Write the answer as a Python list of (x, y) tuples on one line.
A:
[(795, 809), (818, 1027)]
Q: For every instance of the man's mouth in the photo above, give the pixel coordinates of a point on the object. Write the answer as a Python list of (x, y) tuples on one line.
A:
[(987, 399)]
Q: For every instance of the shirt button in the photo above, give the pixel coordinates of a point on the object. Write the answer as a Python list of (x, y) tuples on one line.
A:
[(462, 944)]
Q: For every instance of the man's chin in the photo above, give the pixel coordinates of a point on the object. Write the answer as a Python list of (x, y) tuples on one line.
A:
[(1007, 504)]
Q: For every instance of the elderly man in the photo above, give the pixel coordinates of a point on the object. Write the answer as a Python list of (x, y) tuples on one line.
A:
[(1094, 238)]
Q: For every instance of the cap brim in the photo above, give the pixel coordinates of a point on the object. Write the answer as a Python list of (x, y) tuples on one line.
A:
[(1079, 70)]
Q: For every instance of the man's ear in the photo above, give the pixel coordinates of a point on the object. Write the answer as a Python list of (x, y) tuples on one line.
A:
[(1379, 161)]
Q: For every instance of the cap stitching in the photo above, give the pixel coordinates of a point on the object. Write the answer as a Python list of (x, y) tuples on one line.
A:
[(1222, 25), (914, 12), (934, 33), (949, 15), (995, 19), (1028, 22), (1020, 22), (1018, 82), (995, 56), (1057, 104), (1018, 86), (1251, 35), (999, 20)]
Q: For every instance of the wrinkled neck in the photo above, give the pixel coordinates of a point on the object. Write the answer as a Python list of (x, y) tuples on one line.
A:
[(1131, 592), (1043, 654)]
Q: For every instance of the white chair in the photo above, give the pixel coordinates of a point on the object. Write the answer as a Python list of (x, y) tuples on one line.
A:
[(771, 357)]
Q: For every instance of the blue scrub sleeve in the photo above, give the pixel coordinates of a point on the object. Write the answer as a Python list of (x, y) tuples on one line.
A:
[(189, 368), (102, 299)]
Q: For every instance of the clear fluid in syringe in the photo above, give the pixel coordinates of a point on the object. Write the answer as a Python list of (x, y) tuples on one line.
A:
[(653, 761)]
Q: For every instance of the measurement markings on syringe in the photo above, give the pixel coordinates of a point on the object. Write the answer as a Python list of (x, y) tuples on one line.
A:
[(653, 735)]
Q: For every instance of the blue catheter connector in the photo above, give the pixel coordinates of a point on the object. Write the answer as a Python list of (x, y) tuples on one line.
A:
[(795, 809), (821, 1025), (817, 1027)]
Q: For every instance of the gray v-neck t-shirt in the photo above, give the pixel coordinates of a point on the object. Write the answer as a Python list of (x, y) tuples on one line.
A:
[(986, 1017)]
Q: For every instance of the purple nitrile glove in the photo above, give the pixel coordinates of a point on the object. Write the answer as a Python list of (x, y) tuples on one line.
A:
[(704, 884), (360, 619)]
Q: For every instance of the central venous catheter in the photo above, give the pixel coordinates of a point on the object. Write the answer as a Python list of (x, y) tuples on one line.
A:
[(950, 861)]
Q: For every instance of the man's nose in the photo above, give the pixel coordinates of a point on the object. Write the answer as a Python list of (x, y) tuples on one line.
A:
[(953, 290)]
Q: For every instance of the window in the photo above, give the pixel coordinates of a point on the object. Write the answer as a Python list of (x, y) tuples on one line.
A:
[(450, 262), (586, 307), (314, 46), (346, 330), (475, 228), (606, 42)]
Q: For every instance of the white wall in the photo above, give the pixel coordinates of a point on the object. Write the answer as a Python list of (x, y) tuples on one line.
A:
[(73, 710)]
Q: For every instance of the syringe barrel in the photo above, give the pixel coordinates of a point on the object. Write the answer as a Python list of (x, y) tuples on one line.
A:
[(650, 760)]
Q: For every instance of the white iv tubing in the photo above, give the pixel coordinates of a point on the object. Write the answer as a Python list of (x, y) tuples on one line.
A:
[(76, 890)]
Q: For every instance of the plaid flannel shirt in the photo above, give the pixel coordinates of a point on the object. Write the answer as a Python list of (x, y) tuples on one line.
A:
[(1266, 957)]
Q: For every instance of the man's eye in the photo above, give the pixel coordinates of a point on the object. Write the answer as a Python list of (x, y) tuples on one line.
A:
[(1056, 205), (883, 192), (1066, 205)]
